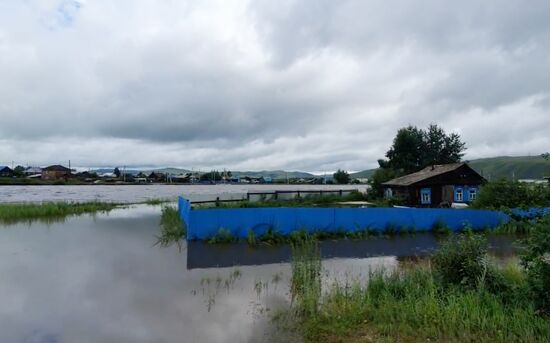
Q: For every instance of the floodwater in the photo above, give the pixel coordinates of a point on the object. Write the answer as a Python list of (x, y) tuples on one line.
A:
[(140, 193), (102, 279)]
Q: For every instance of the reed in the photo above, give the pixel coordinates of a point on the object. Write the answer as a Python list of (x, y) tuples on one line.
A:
[(51, 211), (172, 228)]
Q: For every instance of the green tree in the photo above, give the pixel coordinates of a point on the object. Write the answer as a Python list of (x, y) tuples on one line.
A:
[(117, 172), (546, 156), (19, 171), (380, 176), (414, 149), (341, 177)]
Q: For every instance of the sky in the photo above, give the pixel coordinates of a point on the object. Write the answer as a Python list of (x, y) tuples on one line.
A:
[(252, 85)]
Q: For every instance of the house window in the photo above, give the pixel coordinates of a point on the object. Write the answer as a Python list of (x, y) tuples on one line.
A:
[(472, 194), (459, 195), (426, 196)]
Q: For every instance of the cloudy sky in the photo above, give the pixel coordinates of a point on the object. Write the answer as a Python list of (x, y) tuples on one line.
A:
[(300, 85)]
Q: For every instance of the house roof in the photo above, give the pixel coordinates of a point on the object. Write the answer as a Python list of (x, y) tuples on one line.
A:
[(57, 167), (424, 174), (4, 167)]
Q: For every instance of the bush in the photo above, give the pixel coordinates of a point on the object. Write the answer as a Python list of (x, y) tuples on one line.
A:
[(536, 261), (462, 260), (507, 194)]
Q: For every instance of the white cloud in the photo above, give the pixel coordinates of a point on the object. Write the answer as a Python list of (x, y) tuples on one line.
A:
[(311, 85)]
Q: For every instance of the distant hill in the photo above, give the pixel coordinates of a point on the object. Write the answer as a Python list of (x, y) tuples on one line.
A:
[(274, 174), (363, 174), (519, 167)]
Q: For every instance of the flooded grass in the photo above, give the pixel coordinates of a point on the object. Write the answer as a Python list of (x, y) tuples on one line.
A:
[(50, 212), (156, 201), (418, 304), (172, 228)]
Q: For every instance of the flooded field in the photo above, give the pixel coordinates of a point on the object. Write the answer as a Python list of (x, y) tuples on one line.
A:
[(141, 193), (102, 279)]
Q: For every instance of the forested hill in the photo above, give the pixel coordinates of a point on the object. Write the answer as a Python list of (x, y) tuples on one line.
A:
[(519, 167)]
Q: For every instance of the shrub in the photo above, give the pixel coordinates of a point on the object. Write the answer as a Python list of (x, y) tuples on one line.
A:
[(507, 194), (172, 228), (462, 260), (536, 261)]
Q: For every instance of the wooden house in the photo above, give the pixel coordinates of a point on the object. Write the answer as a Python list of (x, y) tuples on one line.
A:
[(6, 171), (56, 172), (436, 186)]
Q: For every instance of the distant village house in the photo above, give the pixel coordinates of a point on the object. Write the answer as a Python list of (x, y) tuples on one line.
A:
[(436, 186), (6, 171), (56, 172)]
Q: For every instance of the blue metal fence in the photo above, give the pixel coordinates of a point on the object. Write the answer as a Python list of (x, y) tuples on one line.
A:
[(206, 223)]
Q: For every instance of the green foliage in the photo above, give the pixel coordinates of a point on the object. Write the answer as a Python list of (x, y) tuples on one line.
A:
[(172, 228), (462, 260), (462, 297), (412, 306), (223, 236), (414, 149), (213, 175), (341, 177), (251, 238), (441, 228), (536, 261), (13, 213), (508, 167), (380, 176), (508, 194), (272, 236), (306, 276)]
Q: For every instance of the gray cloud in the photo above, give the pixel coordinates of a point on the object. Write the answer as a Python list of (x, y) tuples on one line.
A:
[(312, 85)]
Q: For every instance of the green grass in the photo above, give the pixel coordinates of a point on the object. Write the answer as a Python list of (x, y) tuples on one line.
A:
[(156, 201), (172, 228), (414, 303), (412, 306), (49, 212)]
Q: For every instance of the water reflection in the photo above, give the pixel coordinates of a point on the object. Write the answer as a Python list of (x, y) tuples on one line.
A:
[(101, 279), (205, 255)]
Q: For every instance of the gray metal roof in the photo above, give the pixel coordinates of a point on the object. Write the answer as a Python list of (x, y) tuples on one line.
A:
[(424, 174)]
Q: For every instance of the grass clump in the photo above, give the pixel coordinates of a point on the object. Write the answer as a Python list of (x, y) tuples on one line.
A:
[(50, 212), (172, 228), (155, 201), (306, 276), (223, 236)]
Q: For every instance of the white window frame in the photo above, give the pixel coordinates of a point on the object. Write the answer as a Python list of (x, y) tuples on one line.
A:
[(428, 193), (471, 192), (459, 191)]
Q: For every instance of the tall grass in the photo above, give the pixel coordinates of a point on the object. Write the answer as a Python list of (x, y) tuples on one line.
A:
[(413, 307), (172, 228), (49, 212), (306, 276), (463, 298)]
